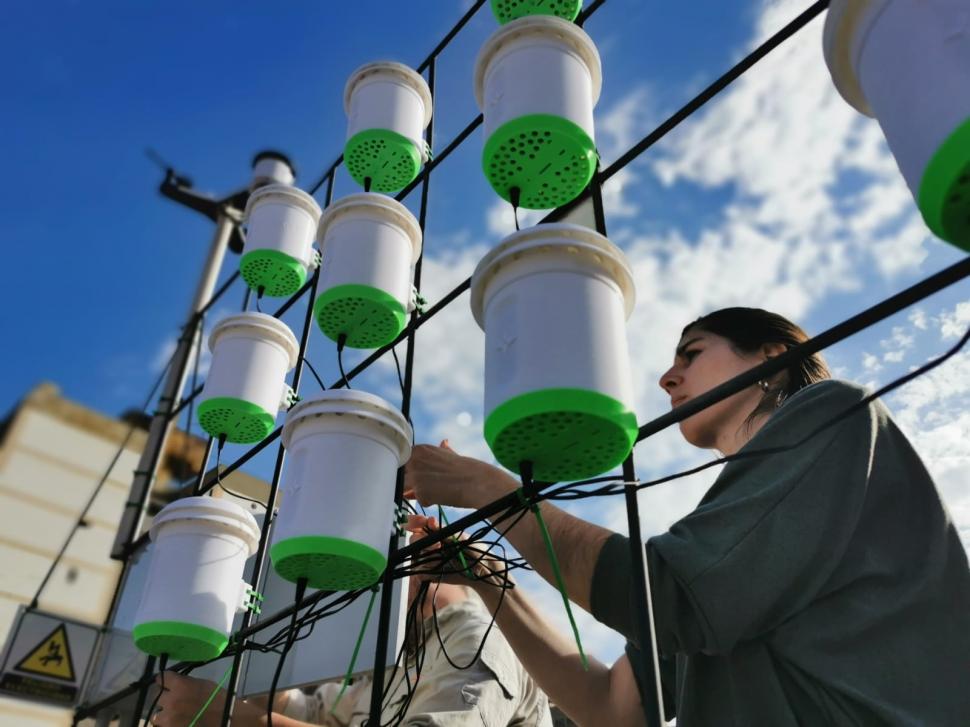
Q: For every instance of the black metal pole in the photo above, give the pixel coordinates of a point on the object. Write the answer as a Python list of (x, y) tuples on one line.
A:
[(387, 583), (258, 565), (642, 603)]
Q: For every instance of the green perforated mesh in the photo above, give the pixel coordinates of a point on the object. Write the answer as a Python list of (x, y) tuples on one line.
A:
[(391, 161), (944, 195), (333, 564), (567, 434), (548, 158), (241, 421), (276, 272), (180, 640), (507, 10), (368, 316)]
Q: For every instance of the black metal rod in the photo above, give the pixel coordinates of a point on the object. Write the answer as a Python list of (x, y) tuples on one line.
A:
[(197, 488), (643, 605), (432, 56), (695, 104), (387, 585), (260, 561), (840, 332), (145, 685)]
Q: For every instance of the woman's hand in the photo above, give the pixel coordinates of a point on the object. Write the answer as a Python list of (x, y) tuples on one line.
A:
[(474, 568), (184, 696), (441, 476)]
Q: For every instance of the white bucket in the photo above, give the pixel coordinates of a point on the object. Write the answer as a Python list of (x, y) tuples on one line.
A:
[(271, 167), (344, 448), (369, 244), (251, 356), (553, 301), (194, 585), (281, 224), (908, 65), (537, 80), (388, 108)]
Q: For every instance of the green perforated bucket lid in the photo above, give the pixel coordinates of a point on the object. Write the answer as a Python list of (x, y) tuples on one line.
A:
[(567, 434), (180, 640), (944, 194), (508, 10), (366, 316), (329, 563)]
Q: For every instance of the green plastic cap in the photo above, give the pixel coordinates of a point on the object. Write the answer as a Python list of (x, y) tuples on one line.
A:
[(241, 421), (567, 434), (390, 160), (180, 640), (508, 10), (549, 159), (944, 194), (369, 317), (329, 563), (276, 272)]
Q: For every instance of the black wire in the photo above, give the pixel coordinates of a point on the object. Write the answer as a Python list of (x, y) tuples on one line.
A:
[(567, 492), (162, 665), (259, 297), (300, 592), (314, 372), (222, 442), (341, 341)]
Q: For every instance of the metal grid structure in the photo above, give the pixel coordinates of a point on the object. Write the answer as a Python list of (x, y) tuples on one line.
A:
[(171, 407)]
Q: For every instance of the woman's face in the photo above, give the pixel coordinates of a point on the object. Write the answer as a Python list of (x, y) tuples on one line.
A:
[(702, 361)]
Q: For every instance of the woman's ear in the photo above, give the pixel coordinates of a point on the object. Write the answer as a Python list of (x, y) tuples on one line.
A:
[(770, 350)]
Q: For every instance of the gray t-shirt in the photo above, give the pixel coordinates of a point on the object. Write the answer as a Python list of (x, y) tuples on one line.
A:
[(825, 585)]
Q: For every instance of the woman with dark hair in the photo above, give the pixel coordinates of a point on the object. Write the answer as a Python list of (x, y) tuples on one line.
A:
[(825, 584)]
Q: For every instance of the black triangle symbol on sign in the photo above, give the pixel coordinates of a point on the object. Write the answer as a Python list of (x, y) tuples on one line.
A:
[(51, 657)]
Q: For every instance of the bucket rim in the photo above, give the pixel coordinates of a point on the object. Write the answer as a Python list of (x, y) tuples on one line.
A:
[(539, 25), (201, 507), (384, 206), (845, 20), (334, 402), (544, 237), (265, 324), (291, 194), (394, 68)]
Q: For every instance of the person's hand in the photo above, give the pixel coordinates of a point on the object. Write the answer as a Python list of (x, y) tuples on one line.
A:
[(183, 697), (441, 476), (474, 568)]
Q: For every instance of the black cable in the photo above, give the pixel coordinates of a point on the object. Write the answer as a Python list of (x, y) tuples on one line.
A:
[(222, 442), (566, 492), (162, 665), (514, 196), (300, 592), (314, 372), (341, 342), (259, 296)]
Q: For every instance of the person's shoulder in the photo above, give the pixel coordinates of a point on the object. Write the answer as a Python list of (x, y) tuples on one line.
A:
[(825, 392)]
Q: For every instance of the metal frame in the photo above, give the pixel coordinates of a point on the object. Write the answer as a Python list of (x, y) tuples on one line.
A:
[(397, 556)]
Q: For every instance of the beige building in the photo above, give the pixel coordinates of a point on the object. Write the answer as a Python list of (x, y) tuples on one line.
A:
[(53, 453)]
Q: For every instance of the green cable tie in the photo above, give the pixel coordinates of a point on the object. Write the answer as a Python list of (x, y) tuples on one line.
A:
[(454, 538), (557, 573), (353, 658), (212, 696)]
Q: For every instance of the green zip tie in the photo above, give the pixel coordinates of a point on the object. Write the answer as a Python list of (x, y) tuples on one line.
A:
[(212, 696), (353, 658), (557, 573), (454, 539)]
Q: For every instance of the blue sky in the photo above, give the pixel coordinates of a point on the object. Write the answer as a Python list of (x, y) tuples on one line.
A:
[(776, 195)]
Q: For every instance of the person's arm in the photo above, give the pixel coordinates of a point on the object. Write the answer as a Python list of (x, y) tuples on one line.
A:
[(440, 476), (600, 696), (184, 696)]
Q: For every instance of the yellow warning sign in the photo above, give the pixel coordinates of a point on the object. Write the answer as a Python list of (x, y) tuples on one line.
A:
[(51, 657)]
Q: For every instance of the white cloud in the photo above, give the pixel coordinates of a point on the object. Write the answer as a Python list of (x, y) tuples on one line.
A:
[(954, 324)]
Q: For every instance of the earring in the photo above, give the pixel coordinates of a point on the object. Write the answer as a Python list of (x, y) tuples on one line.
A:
[(764, 385)]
